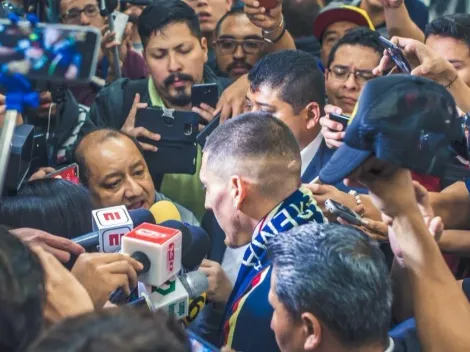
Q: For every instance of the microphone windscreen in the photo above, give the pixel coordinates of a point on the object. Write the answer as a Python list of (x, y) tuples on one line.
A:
[(164, 210), (187, 238), (195, 283), (199, 248), (141, 215)]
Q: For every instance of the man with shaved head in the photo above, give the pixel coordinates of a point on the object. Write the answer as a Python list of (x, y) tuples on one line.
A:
[(251, 172), (113, 168)]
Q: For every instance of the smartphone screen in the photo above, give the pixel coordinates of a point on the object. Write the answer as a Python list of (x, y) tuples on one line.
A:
[(199, 345), (397, 55), (51, 52), (69, 173)]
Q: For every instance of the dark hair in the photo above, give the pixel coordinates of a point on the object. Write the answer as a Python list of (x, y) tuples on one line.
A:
[(235, 11), (358, 36), (336, 273), (293, 72), (299, 16), (115, 330), (52, 205), (455, 26), (22, 293), (259, 145), (161, 13), (92, 140)]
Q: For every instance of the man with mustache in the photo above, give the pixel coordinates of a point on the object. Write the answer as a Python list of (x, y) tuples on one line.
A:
[(175, 53), (238, 44)]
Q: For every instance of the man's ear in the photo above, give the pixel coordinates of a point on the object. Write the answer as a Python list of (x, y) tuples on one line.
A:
[(313, 114), (238, 190), (229, 4), (204, 48), (312, 331)]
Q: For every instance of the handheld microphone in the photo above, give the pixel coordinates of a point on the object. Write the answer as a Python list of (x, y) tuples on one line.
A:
[(164, 210), (200, 246), (111, 226), (175, 296)]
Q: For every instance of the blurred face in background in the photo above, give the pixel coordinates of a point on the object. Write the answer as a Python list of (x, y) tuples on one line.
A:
[(350, 70), (455, 51), (175, 59), (332, 34), (81, 13), (118, 175), (209, 12), (239, 45)]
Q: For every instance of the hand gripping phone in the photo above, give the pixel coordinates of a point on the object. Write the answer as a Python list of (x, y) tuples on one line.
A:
[(343, 212), (397, 55), (342, 119)]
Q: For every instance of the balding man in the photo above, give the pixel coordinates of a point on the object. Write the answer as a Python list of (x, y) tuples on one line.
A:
[(251, 171), (112, 166)]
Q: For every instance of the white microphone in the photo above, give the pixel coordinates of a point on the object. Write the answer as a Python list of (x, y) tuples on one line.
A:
[(174, 296), (163, 248), (112, 224)]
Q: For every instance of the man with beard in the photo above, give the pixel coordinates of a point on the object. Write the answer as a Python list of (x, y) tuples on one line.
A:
[(175, 53), (238, 45)]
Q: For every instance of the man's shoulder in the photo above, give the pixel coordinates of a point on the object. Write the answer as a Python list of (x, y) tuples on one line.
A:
[(122, 86)]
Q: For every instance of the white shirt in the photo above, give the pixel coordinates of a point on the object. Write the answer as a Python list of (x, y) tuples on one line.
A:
[(307, 154), (232, 261)]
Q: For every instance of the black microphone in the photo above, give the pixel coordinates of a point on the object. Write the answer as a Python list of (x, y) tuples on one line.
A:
[(199, 248), (138, 216)]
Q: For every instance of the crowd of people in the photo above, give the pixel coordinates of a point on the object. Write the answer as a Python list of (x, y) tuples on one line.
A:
[(285, 271)]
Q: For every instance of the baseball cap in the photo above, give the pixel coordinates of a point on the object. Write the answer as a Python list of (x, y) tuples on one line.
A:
[(336, 11), (406, 120)]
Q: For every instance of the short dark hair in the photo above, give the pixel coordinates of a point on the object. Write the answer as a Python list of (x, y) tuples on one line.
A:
[(115, 330), (257, 144), (22, 293), (338, 274), (52, 205), (358, 36), (299, 16), (455, 26), (161, 13), (93, 139), (235, 11), (294, 73)]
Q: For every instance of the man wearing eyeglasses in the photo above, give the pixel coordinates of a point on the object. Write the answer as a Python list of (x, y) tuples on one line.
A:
[(349, 67), (238, 44)]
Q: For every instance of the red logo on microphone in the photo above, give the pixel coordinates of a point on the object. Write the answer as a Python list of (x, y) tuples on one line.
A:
[(115, 239), (112, 216), (171, 257)]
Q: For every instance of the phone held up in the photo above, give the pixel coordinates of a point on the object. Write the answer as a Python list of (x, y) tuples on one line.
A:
[(204, 94), (69, 173), (397, 55), (340, 118), (343, 212)]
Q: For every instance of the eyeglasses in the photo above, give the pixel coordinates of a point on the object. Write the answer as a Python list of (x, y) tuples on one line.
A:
[(342, 73), (73, 16), (249, 46)]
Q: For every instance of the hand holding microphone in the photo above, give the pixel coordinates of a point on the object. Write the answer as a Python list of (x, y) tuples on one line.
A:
[(102, 273), (220, 286)]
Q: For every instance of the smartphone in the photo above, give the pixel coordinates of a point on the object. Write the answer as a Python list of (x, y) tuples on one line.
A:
[(200, 345), (343, 212), (204, 93), (268, 4), (69, 173), (202, 136), (120, 23), (397, 55), (50, 52), (342, 119)]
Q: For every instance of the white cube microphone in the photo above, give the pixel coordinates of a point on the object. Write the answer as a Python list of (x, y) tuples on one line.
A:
[(161, 245), (112, 224)]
